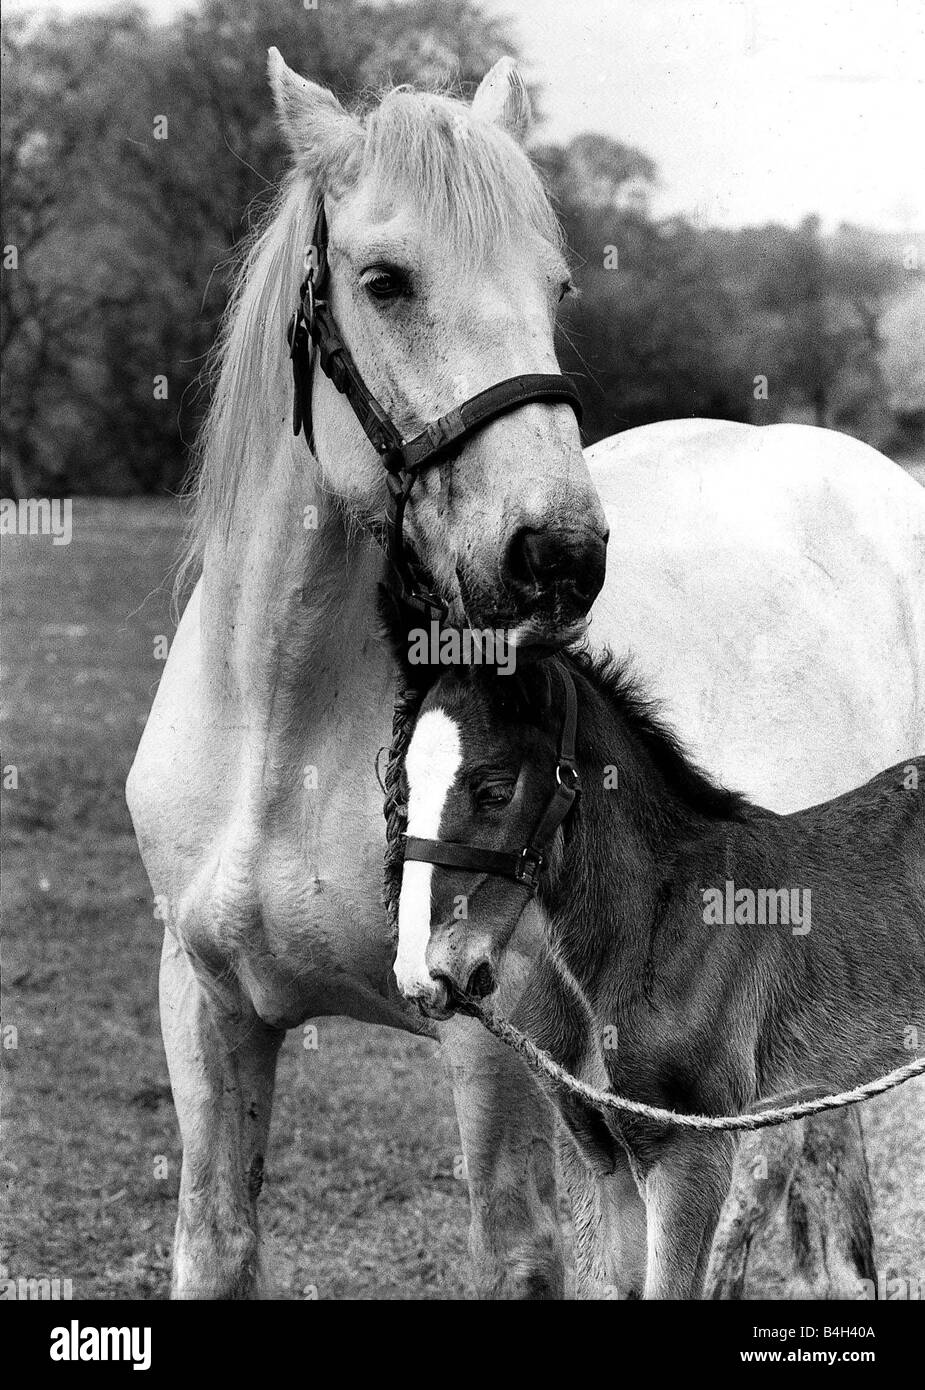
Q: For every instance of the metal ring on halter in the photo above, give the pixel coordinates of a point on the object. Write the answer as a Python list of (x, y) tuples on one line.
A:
[(572, 782)]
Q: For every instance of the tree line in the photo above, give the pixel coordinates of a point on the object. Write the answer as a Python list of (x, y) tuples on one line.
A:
[(136, 154)]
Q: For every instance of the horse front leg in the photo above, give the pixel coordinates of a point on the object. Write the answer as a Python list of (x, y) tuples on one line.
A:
[(508, 1139), (685, 1190), (222, 1063), (610, 1227)]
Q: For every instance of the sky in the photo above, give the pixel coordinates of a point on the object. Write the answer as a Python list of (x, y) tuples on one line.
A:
[(754, 110)]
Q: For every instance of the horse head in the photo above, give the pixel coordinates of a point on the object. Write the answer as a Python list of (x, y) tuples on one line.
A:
[(444, 272), (483, 771)]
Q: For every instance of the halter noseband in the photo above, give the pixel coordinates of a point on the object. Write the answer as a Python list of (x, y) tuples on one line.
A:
[(404, 459), (525, 865)]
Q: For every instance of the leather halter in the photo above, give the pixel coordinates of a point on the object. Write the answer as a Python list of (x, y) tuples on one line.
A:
[(524, 866), (312, 323)]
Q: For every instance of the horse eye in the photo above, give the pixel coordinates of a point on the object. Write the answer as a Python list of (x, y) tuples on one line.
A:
[(566, 288), (492, 794), (386, 282)]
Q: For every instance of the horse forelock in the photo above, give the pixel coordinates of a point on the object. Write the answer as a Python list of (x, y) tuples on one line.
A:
[(470, 183)]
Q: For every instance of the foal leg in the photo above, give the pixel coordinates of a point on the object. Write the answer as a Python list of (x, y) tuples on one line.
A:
[(507, 1130), (222, 1064), (685, 1191)]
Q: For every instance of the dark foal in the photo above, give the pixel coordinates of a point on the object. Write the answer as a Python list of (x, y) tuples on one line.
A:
[(701, 953)]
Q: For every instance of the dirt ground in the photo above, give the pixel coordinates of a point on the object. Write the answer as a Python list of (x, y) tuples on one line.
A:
[(361, 1199)]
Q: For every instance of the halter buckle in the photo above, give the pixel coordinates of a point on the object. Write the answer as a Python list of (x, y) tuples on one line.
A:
[(528, 867)]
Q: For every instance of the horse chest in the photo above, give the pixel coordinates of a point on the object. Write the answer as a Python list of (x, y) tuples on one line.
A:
[(268, 845), (295, 903)]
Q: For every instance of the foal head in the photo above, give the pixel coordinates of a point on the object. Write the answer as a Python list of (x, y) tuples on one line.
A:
[(445, 273), (480, 769)]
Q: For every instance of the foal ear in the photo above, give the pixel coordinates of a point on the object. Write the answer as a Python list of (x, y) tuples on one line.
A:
[(313, 121), (502, 98)]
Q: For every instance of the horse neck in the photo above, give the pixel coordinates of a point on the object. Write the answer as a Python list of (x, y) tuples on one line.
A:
[(289, 595)]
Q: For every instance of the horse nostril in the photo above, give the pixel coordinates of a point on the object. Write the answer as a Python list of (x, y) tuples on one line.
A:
[(522, 558), (538, 560), (481, 981)]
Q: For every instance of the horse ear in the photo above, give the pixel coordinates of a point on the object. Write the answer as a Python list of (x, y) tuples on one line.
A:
[(502, 98), (312, 119)]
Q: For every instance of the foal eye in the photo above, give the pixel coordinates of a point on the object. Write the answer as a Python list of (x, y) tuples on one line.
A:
[(492, 794), (385, 282)]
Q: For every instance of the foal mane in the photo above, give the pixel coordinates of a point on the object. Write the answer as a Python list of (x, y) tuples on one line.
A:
[(621, 691), (530, 694), (473, 188)]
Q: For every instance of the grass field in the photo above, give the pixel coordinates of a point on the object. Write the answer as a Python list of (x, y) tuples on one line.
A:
[(361, 1200)]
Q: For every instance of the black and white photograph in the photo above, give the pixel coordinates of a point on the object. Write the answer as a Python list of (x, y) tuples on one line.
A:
[(463, 644)]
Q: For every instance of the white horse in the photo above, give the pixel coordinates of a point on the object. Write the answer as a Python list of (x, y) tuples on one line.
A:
[(741, 561)]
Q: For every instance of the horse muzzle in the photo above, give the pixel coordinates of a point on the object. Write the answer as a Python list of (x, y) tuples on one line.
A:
[(436, 1002), (550, 580), (433, 995), (461, 969)]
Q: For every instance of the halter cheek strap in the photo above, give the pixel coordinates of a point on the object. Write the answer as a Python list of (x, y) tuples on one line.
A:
[(404, 459), (524, 866)]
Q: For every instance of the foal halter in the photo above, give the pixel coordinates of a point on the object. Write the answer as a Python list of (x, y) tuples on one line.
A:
[(312, 323), (524, 866)]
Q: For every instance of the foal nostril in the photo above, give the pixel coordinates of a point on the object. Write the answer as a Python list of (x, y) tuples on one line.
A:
[(440, 997), (481, 981), (543, 560)]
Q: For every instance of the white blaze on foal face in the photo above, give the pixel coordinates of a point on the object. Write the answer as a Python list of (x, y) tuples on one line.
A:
[(431, 764)]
